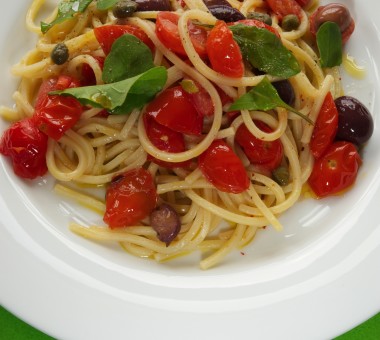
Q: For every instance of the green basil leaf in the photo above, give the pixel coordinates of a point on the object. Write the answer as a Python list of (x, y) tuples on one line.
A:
[(263, 97), (66, 10), (123, 96), (129, 57), (265, 51), (105, 4), (329, 42)]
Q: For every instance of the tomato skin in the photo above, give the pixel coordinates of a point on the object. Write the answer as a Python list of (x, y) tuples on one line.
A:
[(202, 101), (55, 114), (267, 154), (130, 197), (336, 170), (107, 34), (222, 168), (224, 52), (167, 32), (165, 139), (173, 109), (284, 7), (303, 3), (325, 127), (26, 145)]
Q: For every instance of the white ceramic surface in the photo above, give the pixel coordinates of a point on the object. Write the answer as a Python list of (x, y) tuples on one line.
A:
[(317, 279)]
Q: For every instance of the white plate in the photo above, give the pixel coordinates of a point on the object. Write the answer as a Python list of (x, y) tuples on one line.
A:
[(317, 279)]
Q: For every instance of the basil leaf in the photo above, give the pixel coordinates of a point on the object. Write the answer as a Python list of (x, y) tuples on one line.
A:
[(265, 51), (66, 10), (263, 97), (123, 96), (129, 57), (329, 42), (106, 4)]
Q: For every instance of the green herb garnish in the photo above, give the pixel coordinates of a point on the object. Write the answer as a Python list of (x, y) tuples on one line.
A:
[(106, 4), (329, 41)]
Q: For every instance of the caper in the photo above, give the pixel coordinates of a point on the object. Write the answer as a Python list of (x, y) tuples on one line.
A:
[(281, 175), (264, 17), (290, 22), (124, 9), (60, 54)]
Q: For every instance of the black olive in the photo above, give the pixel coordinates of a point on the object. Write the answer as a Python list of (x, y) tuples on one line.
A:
[(124, 9), (333, 12), (355, 121), (165, 221), (60, 54), (226, 13), (264, 17), (153, 5), (285, 91)]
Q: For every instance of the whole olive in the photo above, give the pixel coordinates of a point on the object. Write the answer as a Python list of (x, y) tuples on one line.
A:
[(166, 222), (355, 121), (337, 13), (153, 5), (226, 13), (285, 91), (124, 9)]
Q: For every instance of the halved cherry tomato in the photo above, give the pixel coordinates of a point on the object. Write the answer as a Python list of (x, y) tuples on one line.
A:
[(165, 139), (55, 114), (107, 34), (130, 197), (167, 32), (173, 109), (201, 100), (336, 170), (325, 127), (224, 52), (88, 76), (26, 146), (257, 23), (222, 168), (267, 154), (303, 3), (284, 7)]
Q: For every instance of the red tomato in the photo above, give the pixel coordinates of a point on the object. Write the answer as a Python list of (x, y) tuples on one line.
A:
[(257, 23), (107, 34), (88, 76), (303, 3), (173, 109), (201, 101), (268, 154), (222, 168), (336, 170), (284, 7), (164, 139), (55, 114), (130, 197), (167, 32), (26, 146), (224, 52), (325, 127)]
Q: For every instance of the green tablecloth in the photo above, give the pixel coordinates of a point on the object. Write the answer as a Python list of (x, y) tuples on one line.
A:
[(12, 328)]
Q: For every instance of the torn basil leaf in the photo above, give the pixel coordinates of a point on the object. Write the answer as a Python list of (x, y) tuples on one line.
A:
[(105, 4), (329, 42)]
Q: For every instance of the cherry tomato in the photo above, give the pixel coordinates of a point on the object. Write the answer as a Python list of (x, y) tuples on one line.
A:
[(325, 127), (173, 109), (257, 23), (224, 52), (201, 100), (222, 168), (267, 154), (107, 34), (165, 139), (88, 76), (26, 146), (336, 170), (130, 197), (303, 3), (167, 32), (55, 114), (284, 7)]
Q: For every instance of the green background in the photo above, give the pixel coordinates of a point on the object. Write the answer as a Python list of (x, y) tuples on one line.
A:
[(12, 328)]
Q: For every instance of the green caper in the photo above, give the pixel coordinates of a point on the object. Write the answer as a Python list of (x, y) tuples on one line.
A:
[(290, 22), (124, 9), (281, 175), (264, 17), (60, 54)]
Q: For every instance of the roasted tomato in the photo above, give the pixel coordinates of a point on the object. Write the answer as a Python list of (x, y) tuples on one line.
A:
[(199, 97), (325, 127), (336, 170), (167, 32), (130, 198), (88, 76), (224, 52), (55, 114), (285, 7), (267, 154), (26, 145), (173, 109), (221, 167)]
